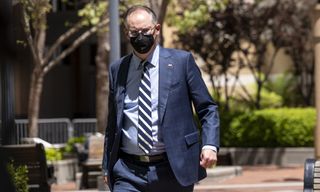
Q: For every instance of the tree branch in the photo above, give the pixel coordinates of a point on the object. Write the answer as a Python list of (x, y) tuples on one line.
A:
[(271, 64), (236, 76), (163, 10), (248, 62), (246, 91), (41, 38), (27, 30), (61, 40), (74, 45)]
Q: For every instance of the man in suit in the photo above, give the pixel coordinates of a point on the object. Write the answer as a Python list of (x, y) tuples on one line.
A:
[(152, 142)]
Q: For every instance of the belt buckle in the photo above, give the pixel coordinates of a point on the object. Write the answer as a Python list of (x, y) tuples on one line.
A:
[(144, 158)]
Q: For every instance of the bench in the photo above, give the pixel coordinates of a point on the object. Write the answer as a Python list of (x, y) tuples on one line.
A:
[(311, 179), (91, 167), (33, 156)]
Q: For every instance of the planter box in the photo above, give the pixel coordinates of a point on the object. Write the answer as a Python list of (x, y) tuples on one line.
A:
[(269, 156), (65, 170)]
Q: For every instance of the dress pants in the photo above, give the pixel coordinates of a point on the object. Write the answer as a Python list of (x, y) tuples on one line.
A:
[(145, 177)]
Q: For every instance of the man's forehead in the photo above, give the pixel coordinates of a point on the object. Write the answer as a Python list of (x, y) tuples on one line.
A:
[(139, 15), (139, 11)]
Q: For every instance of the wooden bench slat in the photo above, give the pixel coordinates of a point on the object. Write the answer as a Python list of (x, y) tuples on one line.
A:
[(316, 186), (317, 164)]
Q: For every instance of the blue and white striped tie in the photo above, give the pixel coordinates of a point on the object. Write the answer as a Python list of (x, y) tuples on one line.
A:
[(144, 102)]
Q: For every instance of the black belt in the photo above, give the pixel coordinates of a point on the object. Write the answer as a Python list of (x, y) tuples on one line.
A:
[(144, 158)]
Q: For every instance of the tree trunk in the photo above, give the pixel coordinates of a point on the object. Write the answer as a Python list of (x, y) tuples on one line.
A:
[(102, 81), (226, 92), (43, 62), (160, 8), (34, 101), (258, 97)]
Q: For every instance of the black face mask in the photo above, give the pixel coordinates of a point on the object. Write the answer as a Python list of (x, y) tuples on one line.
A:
[(142, 43)]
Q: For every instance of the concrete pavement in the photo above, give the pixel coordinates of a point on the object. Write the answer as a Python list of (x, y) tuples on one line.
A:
[(258, 179), (239, 179)]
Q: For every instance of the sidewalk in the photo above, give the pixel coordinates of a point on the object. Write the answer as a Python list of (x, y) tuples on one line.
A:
[(258, 179), (252, 179)]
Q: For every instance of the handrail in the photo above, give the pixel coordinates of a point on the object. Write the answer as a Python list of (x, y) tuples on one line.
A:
[(56, 130)]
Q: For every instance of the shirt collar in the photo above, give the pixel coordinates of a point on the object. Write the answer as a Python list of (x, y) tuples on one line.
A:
[(137, 60)]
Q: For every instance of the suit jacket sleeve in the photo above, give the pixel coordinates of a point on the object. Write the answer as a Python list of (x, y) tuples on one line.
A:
[(205, 107), (111, 123)]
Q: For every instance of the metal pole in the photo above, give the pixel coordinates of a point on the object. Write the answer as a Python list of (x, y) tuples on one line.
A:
[(114, 31), (7, 112), (316, 33), (7, 86)]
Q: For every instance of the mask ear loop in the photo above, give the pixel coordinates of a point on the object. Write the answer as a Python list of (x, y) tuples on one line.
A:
[(157, 27)]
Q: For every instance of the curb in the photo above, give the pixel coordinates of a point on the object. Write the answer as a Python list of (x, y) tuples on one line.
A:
[(223, 172)]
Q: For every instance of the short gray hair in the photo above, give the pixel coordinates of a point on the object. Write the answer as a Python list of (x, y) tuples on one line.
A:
[(140, 7)]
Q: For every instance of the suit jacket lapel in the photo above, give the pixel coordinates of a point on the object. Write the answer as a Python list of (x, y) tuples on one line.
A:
[(121, 87), (166, 67)]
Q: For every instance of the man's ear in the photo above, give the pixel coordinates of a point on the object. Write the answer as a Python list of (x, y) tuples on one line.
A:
[(127, 34), (158, 27)]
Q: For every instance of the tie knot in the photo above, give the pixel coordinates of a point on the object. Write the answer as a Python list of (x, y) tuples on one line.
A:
[(145, 64)]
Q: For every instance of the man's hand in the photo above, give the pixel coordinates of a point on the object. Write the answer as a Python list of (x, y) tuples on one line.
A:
[(105, 178), (208, 158)]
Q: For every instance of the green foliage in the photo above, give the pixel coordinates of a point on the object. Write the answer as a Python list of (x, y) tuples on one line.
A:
[(92, 12), (230, 36), (197, 14), (285, 85), (226, 135), (19, 176), (53, 154), (270, 99), (69, 148), (193, 14), (36, 12), (21, 42), (283, 127)]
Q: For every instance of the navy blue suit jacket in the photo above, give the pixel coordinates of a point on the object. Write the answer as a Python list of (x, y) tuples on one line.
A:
[(180, 85)]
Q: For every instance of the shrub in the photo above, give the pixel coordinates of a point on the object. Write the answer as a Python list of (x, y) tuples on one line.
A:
[(53, 154), (19, 175), (284, 85), (225, 132), (270, 99), (56, 154), (283, 127), (70, 146), (240, 102)]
